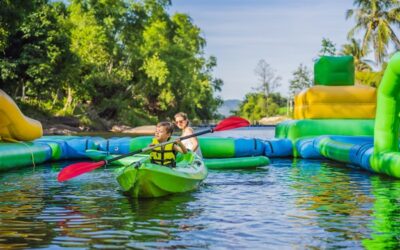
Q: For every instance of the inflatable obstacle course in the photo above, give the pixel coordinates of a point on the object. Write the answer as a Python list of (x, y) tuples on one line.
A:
[(14, 155), (334, 71), (337, 108), (14, 126), (327, 132), (225, 152), (334, 95), (237, 163), (386, 156), (341, 135), (295, 129), (336, 102)]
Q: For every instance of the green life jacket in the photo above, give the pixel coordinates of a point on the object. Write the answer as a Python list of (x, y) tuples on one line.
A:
[(163, 155)]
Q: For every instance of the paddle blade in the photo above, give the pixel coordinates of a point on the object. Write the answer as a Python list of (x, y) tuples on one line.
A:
[(231, 123), (76, 169)]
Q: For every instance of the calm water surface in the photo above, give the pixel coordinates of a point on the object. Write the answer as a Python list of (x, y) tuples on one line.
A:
[(291, 204)]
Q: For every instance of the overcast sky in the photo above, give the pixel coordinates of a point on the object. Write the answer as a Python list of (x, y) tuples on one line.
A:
[(284, 33)]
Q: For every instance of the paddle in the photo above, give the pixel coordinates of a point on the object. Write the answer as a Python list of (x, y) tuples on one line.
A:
[(77, 169)]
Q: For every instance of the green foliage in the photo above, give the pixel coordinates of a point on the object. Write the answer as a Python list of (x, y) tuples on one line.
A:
[(33, 61), (302, 79), (378, 19), (369, 78), (136, 117), (256, 106), (328, 48), (125, 61), (354, 49), (265, 102), (283, 111)]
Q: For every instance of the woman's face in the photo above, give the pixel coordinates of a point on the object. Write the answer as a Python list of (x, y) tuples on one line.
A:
[(181, 122)]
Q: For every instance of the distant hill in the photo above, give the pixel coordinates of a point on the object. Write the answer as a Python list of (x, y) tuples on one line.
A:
[(228, 106)]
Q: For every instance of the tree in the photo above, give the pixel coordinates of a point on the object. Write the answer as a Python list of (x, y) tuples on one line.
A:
[(376, 18), (89, 42), (122, 60), (38, 58), (278, 99), (302, 79), (252, 107), (328, 48), (354, 49), (370, 78), (266, 75), (268, 84), (172, 72), (12, 15)]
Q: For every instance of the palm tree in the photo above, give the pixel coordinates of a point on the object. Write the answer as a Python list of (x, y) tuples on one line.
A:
[(354, 49), (376, 18)]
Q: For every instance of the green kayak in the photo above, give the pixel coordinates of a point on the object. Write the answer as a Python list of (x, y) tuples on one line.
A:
[(141, 178)]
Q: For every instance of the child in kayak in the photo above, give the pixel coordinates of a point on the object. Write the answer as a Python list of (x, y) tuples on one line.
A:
[(165, 155)]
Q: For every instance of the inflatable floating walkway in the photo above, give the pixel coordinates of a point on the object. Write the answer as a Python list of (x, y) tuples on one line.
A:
[(219, 153)]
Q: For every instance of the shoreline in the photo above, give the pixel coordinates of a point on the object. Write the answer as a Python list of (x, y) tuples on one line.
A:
[(68, 127)]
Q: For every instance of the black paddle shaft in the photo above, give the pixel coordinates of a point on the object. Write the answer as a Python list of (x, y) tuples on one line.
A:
[(210, 130)]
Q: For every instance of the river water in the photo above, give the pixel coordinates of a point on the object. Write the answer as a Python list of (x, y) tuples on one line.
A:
[(290, 204)]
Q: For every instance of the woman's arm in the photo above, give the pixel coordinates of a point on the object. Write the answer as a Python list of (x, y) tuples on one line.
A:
[(193, 140), (180, 147)]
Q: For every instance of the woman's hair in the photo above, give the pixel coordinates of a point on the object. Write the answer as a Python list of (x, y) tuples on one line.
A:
[(181, 114), (167, 125)]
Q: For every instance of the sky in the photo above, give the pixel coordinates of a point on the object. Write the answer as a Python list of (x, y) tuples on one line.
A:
[(285, 33)]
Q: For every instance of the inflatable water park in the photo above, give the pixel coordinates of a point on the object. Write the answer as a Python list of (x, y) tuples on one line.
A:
[(335, 119)]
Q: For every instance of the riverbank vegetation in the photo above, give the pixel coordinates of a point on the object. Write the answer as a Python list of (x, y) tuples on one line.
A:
[(116, 61), (131, 62)]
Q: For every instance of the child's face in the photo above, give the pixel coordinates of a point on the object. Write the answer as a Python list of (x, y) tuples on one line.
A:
[(161, 134)]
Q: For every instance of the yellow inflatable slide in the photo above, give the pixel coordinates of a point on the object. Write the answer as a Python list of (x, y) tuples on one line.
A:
[(13, 124)]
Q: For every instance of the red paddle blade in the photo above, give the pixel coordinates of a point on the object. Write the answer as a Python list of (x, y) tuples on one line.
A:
[(76, 169), (231, 123)]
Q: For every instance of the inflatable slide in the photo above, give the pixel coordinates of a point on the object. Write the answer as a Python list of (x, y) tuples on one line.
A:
[(14, 126)]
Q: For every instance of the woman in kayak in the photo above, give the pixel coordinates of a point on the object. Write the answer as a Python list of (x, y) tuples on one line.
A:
[(165, 155), (182, 122)]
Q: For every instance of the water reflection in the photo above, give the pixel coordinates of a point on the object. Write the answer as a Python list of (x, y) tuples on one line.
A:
[(160, 222), (386, 214), (87, 212), (339, 201), (21, 201), (292, 204)]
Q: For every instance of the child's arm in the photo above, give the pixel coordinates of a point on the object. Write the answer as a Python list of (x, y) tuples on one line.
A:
[(180, 147)]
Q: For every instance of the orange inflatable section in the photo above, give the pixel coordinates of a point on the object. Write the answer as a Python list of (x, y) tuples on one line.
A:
[(333, 102)]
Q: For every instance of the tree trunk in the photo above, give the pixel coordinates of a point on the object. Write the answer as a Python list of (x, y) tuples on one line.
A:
[(57, 97), (23, 91), (16, 91), (68, 102), (110, 67)]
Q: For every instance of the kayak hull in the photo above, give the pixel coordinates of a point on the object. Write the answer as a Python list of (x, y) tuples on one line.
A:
[(142, 179)]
